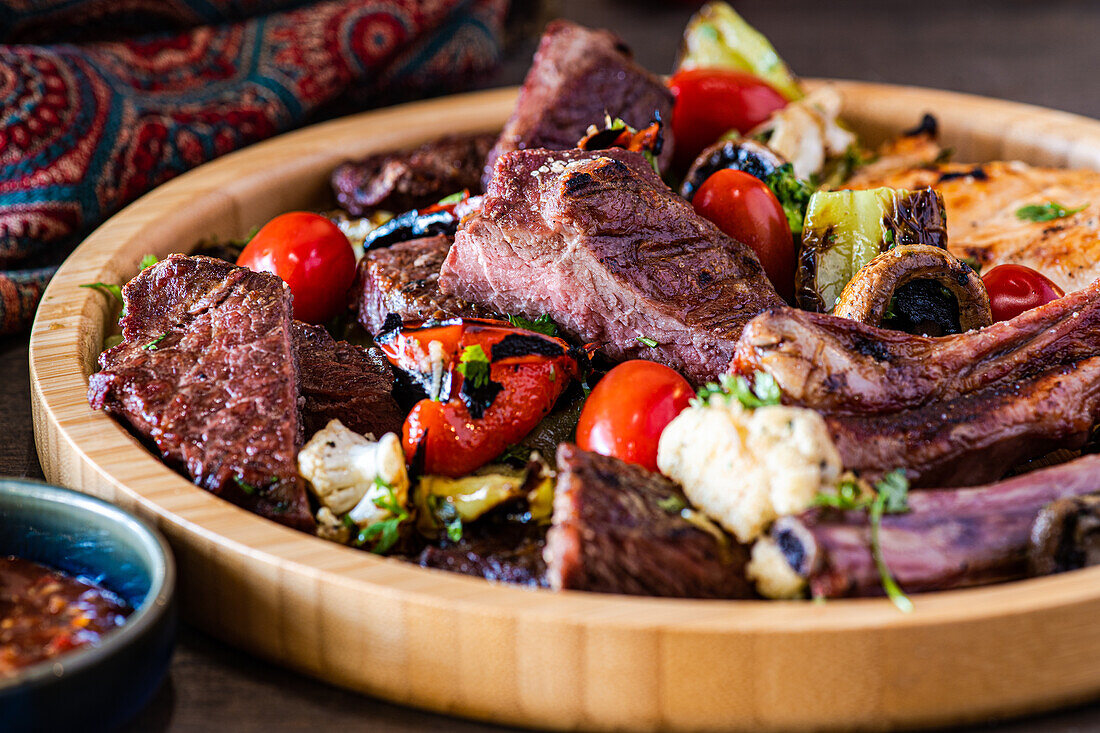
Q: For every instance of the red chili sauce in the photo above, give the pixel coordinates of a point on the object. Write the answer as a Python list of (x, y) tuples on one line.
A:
[(44, 613)]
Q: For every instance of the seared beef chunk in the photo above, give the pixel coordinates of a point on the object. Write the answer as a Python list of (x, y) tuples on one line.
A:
[(597, 241), (404, 280), (618, 528), (979, 436), (839, 366), (411, 179), (579, 76), (1066, 536), (207, 371), (949, 539), (341, 381), (505, 552)]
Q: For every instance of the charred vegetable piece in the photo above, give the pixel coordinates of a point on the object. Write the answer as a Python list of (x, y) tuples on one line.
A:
[(440, 218), (1065, 536), (919, 289), (488, 385), (811, 136), (445, 504), (845, 230), (649, 141), (746, 155), (717, 37)]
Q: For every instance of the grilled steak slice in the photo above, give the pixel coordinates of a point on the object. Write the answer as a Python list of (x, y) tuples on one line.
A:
[(207, 371), (839, 366), (403, 279), (500, 552), (611, 534), (949, 539), (597, 241), (579, 76), (1065, 536), (341, 381), (979, 436), (412, 178)]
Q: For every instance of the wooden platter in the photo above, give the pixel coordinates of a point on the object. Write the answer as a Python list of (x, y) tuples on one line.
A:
[(572, 660)]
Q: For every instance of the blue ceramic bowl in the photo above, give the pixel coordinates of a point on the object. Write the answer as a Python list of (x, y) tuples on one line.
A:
[(103, 686)]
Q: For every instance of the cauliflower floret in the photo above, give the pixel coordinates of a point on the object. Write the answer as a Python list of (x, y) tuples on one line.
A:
[(744, 467), (807, 132), (773, 575), (347, 472)]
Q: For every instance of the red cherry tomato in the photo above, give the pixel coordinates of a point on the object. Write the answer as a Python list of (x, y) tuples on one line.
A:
[(1014, 289), (711, 102), (629, 409), (746, 209), (311, 255)]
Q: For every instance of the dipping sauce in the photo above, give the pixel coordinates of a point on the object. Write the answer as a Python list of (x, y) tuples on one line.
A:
[(44, 613)]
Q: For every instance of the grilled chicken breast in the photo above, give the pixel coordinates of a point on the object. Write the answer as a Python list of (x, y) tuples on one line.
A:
[(982, 201)]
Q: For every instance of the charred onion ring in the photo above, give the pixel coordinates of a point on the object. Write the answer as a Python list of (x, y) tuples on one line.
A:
[(867, 296)]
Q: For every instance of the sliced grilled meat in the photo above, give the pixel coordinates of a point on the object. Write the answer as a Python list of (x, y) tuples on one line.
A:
[(579, 76), (403, 279), (207, 372), (500, 552), (413, 178), (612, 533), (838, 366), (979, 436), (597, 241), (341, 381), (950, 539)]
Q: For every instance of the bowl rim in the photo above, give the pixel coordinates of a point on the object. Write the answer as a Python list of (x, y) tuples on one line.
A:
[(157, 601)]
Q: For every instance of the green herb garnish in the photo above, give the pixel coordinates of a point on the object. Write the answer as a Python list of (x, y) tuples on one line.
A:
[(152, 345), (1046, 212), (793, 194), (672, 504), (454, 198), (244, 485), (386, 530), (454, 529), (148, 261), (543, 324), (647, 342), (473, 365), (115, 291), (762, 392)]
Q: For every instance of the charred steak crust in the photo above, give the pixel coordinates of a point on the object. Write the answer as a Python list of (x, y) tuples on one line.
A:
[(579, 75), (597, 241), (341, 381), (207, 372), (413, 178), (403, 279), (610, 534)]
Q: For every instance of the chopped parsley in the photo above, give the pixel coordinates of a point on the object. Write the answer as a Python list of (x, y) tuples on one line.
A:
[(762, 392), (672, 504), (454, 529), (244, 486), (447, 515), (543, 324), (1049, 211), (647, 342), (454, 198), (793, 194), (152, 345), (891, 496), (387, 531), (115, 291), (148, 261), (473, 365)]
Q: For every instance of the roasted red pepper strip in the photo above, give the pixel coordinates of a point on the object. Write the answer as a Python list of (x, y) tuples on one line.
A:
[(475, 423)]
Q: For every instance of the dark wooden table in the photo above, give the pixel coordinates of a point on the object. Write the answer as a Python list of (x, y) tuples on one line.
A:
[(1039, 52)]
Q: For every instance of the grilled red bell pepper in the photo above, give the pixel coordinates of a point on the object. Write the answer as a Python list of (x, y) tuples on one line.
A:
[(489, 384)]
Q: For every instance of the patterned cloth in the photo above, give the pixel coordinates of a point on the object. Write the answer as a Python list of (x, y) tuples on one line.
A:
[(86, 128)]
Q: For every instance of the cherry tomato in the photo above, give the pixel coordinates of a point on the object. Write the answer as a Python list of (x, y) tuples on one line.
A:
[(711, 102), (746, 209), (1014, 289), (311, 255), (629, 409)]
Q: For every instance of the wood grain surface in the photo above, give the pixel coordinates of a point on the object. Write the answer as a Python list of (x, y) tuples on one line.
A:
[(557, 660), (1042, 53)]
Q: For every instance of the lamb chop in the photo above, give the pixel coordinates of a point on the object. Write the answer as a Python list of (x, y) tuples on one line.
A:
[(949, 539), (578, 77), (838, 366), (193, 327), (597, 241), (978, 436), (618, 528)]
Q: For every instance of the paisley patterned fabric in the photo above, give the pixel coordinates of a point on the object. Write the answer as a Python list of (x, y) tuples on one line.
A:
[(87, 128)]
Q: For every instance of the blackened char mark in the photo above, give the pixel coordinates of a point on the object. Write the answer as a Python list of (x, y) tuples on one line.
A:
[(515, 344)]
